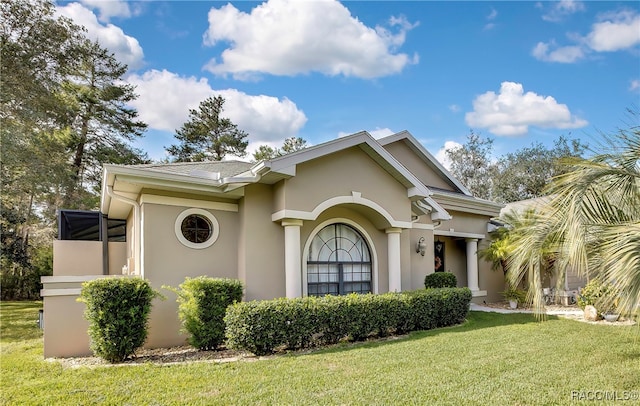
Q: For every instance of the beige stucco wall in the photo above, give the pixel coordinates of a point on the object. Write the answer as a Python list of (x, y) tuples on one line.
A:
[(340, 174), (419, 266), (65, 328), (260, 245), (77, 257), (169, 262), (466, 223), (401, 151), (488, 279), (85, 257), (117, 257)]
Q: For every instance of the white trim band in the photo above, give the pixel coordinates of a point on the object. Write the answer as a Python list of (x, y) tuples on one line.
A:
[(184, 202), (355, 198)]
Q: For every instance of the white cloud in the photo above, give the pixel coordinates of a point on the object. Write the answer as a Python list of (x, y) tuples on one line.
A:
[(265, 118), (441, 155), (492, 16), (377, 133), (112, 8), (550, 52), (164, 100), (563, 8), (454, 108), (126, 49), (512, 111), (634, 85), (616, 31), (288, 37), (381, 132)]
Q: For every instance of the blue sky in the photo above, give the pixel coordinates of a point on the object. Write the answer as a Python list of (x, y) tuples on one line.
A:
[(517, 72)]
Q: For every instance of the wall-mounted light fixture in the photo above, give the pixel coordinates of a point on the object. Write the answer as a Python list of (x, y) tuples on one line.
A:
[(421, 246)]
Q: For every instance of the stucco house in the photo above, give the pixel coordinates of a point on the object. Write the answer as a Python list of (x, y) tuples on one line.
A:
[(355, 214)]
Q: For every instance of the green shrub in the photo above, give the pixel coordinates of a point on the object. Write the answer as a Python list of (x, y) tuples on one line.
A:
[(263, 327), (439, 307), (440, 280), (118, 313), (598, 294), (515, 294), (202, 303)]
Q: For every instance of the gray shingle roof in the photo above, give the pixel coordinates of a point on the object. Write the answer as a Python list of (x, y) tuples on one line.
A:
[(225, 168)]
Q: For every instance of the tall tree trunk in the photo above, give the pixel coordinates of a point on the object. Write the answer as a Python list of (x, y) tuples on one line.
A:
[(79, 155)]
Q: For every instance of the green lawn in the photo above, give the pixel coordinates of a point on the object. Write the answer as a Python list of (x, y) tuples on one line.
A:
[(492, 359)]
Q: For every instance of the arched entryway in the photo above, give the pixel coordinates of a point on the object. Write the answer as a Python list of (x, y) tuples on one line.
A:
[(338, 262)]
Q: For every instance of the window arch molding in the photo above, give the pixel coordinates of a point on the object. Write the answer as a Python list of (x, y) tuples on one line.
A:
[(357, 227), (215, 228)]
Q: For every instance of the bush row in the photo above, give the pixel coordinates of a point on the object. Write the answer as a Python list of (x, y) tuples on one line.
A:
[(118, 310), (263, 327)]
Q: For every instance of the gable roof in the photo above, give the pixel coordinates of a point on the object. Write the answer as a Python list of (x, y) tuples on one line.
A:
[(286, 164), (426, 156)]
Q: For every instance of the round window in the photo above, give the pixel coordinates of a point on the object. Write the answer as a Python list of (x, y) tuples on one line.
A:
[(196, 228)]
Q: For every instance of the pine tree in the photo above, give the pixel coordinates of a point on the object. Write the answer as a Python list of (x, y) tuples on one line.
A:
[(207, 136)]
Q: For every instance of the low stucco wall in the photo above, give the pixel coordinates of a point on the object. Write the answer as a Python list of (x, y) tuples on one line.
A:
[(65, 328), (85, 257)]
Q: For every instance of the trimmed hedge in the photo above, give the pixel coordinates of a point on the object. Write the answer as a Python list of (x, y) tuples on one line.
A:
[(440, 280), (202, 303), (118, 313), (263, 327)]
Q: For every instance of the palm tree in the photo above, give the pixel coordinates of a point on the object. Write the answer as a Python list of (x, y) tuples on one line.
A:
[(591, 223), (504, 241)]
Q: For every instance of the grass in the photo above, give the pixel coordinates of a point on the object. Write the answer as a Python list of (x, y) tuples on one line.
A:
[(491, 359)]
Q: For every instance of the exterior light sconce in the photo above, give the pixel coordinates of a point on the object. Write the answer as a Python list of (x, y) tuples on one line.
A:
[(421, 246)]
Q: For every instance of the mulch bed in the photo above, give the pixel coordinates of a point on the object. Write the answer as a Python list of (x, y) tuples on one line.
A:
[(162, 356)]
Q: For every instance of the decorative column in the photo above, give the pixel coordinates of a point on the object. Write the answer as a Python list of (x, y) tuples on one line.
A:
[(472, 264), (393, 257), (292, 264)]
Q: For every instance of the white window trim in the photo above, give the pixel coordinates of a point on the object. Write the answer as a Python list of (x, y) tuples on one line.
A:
[(198, 246), (361, 230)]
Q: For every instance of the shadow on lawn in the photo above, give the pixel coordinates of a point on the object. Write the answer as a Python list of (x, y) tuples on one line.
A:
[(19, 321)]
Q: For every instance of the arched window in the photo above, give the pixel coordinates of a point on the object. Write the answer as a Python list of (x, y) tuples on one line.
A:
[(339, 262)]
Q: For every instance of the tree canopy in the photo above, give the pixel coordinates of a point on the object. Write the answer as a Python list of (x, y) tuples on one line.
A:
[(471, 164), (207, 136), (64, 113), (518, 175), (291, 144)]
